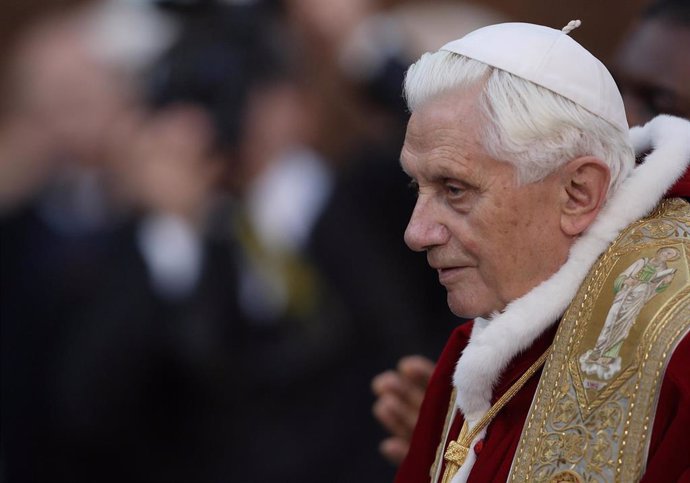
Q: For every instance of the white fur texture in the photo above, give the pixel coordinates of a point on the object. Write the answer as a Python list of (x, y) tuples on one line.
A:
[(495, 342)]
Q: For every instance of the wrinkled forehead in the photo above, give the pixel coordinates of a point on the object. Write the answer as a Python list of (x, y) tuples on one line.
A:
[(454, 112), (445, 126)]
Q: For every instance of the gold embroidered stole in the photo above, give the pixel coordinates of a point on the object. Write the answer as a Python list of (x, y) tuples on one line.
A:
[(592, 415)]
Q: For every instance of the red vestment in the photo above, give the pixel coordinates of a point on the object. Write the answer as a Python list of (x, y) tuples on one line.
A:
[(669, 453)]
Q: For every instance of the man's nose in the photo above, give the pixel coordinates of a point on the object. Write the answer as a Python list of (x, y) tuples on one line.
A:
[(425, 229)]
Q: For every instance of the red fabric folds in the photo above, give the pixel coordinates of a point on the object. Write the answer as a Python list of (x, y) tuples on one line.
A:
[(669, 453)]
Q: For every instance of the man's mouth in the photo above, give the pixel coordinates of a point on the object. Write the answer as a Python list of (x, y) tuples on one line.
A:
[(449, 274)]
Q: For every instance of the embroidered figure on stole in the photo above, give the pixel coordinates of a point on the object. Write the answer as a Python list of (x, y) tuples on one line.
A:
[(633, 288)]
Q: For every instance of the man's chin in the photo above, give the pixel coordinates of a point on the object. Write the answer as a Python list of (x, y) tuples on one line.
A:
[(467, 308), (462, 310)]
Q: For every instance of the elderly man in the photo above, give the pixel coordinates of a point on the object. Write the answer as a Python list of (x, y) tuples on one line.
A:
[(531, 210)]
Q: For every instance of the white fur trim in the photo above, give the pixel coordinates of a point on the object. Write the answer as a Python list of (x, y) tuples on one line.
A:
[(495, 342)]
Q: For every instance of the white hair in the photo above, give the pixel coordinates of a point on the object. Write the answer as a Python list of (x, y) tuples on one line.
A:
[(529, 126)]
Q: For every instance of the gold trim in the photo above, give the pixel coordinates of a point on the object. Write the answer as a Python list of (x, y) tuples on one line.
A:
[(598, 425), (458, 450)]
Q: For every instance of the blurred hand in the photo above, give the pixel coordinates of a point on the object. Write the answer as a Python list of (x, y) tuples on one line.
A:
[(400, 394)]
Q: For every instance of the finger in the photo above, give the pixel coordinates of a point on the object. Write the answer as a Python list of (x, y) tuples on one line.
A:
[(395, 415), (410, 413), (417, 369), (386, 411), (394, 449), (397, 385), (415, 372), (389, 381), (389, 411)]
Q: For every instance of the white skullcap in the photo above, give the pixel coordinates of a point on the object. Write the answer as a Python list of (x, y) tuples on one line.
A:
[(549, 58)]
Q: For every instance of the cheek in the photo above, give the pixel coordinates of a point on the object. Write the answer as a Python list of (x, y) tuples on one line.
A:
[(497, 266), (489, 257), (505, 251)]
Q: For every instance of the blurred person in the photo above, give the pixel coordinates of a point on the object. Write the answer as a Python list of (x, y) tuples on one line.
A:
[(228, 94), (302, 385), (72, 277), (72, 84), (59, 92), (142, 360), (201, 308), (652, 74)]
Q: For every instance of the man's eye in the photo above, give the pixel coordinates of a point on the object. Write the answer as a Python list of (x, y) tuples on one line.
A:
[(454, 190)]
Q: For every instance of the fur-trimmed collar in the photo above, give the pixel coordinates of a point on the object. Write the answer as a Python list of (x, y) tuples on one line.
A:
[(496, 341)]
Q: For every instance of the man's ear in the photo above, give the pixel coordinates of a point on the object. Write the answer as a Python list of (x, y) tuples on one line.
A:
[(585, 182)]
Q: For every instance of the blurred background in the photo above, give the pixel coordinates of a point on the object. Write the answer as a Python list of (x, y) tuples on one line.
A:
[(201, 218)]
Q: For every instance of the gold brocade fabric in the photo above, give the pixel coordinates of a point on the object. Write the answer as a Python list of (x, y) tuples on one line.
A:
[(593, 412)]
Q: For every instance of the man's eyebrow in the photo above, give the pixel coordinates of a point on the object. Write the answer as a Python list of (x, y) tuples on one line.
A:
[(453, 170)]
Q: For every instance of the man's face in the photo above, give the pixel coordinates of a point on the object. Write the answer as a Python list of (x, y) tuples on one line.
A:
[(652, 69), (666, 254), (490, 240), (64, 90)]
